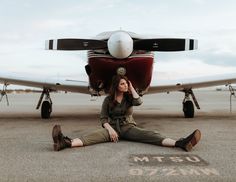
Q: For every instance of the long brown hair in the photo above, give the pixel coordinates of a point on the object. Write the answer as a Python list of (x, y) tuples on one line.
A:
[(114, 87)]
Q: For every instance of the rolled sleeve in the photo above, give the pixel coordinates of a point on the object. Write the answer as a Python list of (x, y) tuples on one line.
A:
[(104, 112), (137, 101)]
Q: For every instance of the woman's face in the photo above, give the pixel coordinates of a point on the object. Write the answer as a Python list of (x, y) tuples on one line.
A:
[(123, 86)]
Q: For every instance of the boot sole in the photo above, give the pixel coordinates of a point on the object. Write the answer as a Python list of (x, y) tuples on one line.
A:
[(193, 141), (55, 135), (56, 147)]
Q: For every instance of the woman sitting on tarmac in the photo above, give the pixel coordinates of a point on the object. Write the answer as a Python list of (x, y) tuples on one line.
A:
[(118, 123)]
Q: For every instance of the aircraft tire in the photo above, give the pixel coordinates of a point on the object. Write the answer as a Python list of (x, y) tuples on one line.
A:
[(46, 110), (188, 109)]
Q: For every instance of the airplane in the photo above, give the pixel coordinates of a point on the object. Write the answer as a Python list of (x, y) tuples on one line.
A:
[(119, 52)]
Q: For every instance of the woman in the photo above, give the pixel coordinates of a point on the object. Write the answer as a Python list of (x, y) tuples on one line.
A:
[(118, 123)]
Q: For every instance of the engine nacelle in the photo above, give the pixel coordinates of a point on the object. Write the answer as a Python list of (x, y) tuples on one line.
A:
[(120, 45)]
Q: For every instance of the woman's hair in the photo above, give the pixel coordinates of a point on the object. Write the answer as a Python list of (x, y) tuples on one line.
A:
[(114, 87)]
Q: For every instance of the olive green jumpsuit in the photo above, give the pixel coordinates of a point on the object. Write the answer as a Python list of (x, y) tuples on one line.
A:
[(121, 119)]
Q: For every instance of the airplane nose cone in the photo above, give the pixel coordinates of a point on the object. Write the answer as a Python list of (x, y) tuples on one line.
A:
[(120, 45)]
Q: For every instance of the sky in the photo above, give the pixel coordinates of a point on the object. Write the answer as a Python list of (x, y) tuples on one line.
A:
[(26, 24)]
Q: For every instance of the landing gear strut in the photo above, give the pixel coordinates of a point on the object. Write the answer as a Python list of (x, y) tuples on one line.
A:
[(46, 107), (4, 93), (232, 93), (188, 107)]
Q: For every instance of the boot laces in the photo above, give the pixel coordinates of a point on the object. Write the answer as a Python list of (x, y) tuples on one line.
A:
[(67, 138)]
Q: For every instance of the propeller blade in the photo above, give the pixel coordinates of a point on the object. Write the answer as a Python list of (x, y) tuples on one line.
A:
[(75, 44), (165, 44)]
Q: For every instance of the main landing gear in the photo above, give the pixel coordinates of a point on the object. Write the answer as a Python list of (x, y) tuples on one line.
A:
[(46, 107), (232, 94), (3, 93), (188, 107)]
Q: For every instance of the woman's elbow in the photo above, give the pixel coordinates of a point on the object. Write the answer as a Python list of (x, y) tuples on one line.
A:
[(137, 101)]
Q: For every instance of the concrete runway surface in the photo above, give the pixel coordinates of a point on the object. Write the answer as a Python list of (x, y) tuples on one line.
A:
[(26, 152)]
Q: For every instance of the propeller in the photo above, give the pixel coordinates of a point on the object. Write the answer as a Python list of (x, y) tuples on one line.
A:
[(120, 44), (75, 44), (165, 44)]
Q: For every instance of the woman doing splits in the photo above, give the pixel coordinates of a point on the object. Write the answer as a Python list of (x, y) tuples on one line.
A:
[(118, 123)]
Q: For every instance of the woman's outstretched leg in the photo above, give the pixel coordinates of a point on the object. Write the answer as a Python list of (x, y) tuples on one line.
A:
[(61, 142), (153, 137), (185, 143)]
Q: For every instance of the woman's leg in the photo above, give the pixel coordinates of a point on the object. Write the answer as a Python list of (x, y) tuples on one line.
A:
[(185, 143), (168, 142), (153, 137), (62, 142), (76, 143), (100, 135), (143, 135)]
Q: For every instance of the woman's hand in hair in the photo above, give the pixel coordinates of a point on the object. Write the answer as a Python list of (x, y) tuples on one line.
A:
[(132, 90), (130, 86)]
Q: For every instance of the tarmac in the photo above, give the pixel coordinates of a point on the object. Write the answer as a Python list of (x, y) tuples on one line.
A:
[(27, 154)]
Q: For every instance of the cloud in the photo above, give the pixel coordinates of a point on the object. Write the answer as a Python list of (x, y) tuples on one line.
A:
[(53, 23), (187, 68), (28, 24)]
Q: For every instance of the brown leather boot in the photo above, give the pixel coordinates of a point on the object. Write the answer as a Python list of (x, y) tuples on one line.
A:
[(189, 142), (60, 141)]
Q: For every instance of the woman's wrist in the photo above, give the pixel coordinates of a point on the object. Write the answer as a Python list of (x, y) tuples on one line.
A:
[(107, 126), (134, 93)]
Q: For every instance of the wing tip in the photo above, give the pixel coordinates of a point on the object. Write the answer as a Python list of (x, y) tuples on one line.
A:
[(191, 44), (51, 44), (47, 44)]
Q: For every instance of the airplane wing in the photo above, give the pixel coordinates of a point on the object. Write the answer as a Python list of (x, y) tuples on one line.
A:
[(51, 84), (193, 83)]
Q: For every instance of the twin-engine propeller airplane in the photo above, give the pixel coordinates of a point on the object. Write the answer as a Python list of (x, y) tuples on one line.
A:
[(119, 52)]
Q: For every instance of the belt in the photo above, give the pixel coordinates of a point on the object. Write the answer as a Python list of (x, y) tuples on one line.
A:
[(118, 121)]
